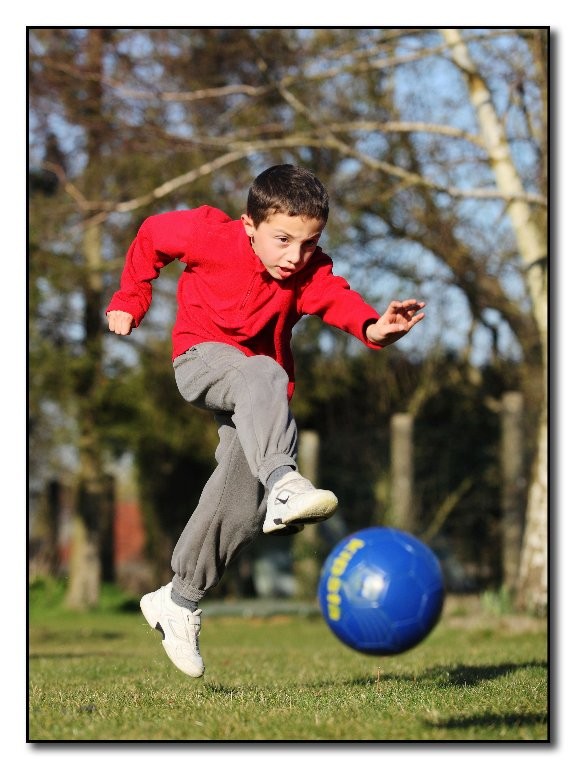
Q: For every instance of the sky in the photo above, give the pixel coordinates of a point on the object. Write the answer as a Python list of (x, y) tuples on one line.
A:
[(13, 380)]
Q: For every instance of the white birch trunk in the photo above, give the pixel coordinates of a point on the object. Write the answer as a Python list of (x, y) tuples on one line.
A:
[(532, 247)]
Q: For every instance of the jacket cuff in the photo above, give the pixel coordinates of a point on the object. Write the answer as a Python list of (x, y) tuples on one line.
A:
[(365, 338)]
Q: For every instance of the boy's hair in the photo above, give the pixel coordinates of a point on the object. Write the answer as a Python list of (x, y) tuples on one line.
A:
[(287, 189)]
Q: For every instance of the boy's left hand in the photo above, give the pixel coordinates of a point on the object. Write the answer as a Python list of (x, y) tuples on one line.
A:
[(398, 319)]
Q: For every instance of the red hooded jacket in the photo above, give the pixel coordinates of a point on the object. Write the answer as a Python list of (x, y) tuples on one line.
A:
[(225, 293)]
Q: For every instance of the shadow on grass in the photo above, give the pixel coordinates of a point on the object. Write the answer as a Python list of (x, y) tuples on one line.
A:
[(489, 720), (82, 635), (464, 675), (68, 653), (61, 656), (459, 676)]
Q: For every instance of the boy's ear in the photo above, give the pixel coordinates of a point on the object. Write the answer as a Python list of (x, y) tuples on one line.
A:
[(249, 227)]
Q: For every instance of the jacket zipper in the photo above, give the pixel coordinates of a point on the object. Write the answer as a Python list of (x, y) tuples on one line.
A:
[(248, 292)]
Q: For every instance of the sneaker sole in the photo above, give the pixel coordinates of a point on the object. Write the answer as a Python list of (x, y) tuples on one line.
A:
[(324, 508), (321, 510), (285, 530)]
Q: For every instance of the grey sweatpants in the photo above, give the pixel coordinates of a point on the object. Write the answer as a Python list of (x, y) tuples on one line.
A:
[(257, 435)]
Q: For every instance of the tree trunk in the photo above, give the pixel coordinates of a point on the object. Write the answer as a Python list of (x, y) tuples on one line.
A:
[(306, 544), (532, 247), (84, 585), (403, 512), (90, 516), (532, 594), (512, 491)]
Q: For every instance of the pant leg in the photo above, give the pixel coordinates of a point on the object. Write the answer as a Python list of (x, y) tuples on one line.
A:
[(254, 390), (257, 435), (228, 517)]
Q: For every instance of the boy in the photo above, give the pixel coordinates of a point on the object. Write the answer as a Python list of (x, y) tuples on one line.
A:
[(246, 283)]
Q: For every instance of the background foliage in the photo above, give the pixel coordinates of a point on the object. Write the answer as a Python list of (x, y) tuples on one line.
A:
[(125, 123)]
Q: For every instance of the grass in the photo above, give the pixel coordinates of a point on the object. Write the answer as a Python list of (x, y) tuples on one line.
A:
[(103, 676)]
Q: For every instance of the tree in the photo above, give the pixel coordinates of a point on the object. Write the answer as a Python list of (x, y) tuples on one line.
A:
[(530, 232), (422, 198)]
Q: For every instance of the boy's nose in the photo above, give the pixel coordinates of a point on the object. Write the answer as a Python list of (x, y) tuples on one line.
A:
[(296, 255)]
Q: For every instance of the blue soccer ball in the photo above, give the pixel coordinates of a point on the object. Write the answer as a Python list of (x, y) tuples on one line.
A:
[(381, 591)]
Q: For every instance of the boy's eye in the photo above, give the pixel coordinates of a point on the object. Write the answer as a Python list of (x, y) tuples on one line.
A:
[(310, 244)]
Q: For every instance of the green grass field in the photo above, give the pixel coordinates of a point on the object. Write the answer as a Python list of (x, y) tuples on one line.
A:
[(103, 676)]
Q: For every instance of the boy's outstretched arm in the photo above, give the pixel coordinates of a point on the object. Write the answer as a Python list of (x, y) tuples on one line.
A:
[(399, 318), (120, 322)]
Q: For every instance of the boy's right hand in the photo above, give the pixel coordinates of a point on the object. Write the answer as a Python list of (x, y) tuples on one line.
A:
[(120, 322)]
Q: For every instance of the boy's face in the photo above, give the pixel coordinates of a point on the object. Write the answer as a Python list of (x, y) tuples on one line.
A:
[(284, 244)]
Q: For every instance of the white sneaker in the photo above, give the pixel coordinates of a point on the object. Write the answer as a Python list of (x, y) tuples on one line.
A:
[(180, 629), (294, 501)]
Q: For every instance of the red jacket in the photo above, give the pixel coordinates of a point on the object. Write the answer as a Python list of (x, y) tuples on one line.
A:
[(225, 293)]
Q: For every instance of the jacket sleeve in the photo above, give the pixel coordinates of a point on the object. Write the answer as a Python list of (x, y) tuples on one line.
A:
[(160, 240), (331, 298)]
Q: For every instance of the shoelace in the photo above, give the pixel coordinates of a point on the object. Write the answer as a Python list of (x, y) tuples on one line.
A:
[(295, 487), (194, 622)]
